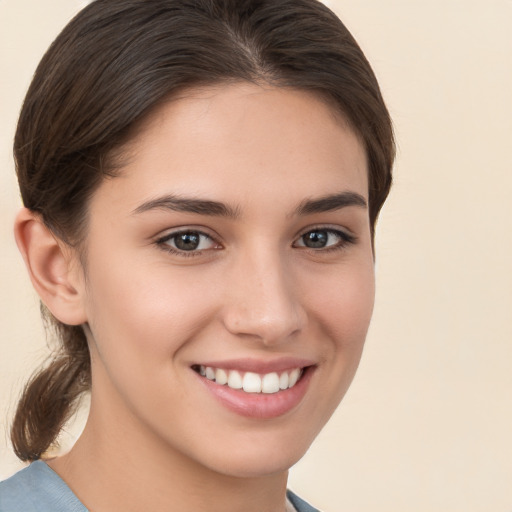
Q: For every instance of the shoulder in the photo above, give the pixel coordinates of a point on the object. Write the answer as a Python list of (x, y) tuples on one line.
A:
[(299, 504), (37, 488), (15, 492)]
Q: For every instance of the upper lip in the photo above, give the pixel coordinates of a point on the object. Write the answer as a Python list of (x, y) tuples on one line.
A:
[(260, 366)]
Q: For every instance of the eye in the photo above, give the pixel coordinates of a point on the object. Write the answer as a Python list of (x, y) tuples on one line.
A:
[(187, 241), (324, 239)]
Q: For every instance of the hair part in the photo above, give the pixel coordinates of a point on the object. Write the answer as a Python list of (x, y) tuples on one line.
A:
[(114, 64)]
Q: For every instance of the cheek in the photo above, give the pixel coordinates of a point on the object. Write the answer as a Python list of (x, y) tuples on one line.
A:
[(147, 314), (343, 307), (140, 327), (340, 304), (343, 303)]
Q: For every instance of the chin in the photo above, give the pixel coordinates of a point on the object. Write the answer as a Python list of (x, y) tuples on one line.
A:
[(260, 456), (258, 467)]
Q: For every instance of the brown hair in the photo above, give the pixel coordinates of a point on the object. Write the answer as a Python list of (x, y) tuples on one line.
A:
[(116, 61)]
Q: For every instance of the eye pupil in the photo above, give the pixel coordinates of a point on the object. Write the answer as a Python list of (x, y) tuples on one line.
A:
[(315, 239), (187, 241)]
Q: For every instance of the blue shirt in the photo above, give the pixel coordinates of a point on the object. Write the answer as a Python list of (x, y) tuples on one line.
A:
[(37, 488)]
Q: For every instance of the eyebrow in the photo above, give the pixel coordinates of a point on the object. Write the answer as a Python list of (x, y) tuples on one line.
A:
[(331, 203), (188, 205), (175, 203)]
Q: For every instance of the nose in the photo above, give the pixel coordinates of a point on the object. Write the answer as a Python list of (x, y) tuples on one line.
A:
[(262, 301)]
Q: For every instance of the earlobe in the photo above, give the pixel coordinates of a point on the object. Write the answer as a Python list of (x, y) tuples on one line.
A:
[(52, 267)]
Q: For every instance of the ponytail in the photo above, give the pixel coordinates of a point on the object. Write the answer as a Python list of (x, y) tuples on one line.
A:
[(50, 397)]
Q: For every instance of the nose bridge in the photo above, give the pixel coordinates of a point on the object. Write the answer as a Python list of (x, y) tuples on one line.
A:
[(262, 300)]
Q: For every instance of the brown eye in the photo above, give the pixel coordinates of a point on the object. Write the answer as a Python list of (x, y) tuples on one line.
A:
[(187, 241), (325, 239), (315, 239)]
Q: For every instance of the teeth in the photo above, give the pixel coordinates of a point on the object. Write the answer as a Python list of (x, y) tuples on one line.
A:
[(283, 381), (221, 377), (252, 382), (270, 383), (235, 380), (294, 377)]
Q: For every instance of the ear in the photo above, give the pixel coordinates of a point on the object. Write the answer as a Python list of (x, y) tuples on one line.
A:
[(53, 267)]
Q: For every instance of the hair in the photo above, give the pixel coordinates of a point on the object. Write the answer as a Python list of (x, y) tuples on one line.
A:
[(115, 63)]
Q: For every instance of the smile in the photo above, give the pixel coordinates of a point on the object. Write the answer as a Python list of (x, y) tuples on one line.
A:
[(251, 382), (257, 389)]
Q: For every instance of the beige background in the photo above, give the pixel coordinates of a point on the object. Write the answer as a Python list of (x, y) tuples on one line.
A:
[(427, 424)]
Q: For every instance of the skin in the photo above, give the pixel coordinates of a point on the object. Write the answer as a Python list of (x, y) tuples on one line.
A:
[(253, 291)]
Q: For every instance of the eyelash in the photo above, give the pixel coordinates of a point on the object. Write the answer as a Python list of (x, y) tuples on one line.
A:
[(344, 238), (162, 243)]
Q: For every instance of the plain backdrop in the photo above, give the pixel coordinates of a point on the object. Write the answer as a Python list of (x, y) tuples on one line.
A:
[(427, 424)]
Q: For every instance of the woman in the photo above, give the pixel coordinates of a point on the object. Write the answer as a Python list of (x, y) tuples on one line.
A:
[(201, 182)]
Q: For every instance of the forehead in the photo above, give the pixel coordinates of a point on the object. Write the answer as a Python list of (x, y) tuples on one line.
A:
[(239, 143)]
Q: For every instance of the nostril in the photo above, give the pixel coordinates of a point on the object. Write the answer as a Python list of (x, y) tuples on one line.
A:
[(272, 326)]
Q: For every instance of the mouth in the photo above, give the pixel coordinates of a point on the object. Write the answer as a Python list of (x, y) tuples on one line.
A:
[(257, 391), (251, 382)]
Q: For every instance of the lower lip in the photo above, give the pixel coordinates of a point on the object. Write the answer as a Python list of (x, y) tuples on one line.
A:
[(260, 405)]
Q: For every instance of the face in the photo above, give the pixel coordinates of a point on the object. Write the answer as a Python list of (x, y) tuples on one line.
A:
[(229, 278)]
